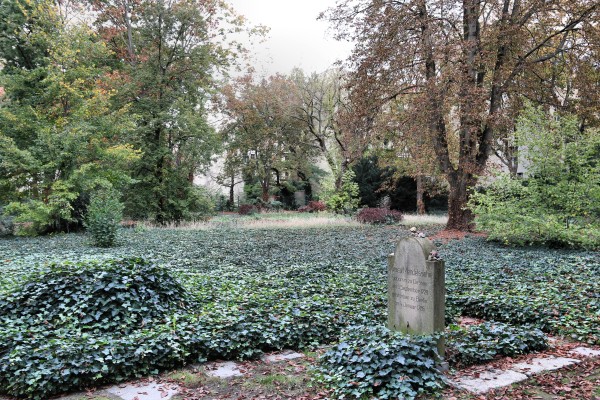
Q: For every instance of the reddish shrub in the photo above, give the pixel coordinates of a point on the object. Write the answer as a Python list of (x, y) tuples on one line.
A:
[(247, 209), (313, 206), (378, 216), (316, 206)]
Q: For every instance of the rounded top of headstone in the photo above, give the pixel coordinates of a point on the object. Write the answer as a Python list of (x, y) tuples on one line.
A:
[(417, 248)]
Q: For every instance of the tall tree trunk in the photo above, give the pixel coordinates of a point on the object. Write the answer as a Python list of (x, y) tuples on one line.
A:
[(231, 190), (159, 189), (127, 17), (340, 175), (420, 191), (265, 191), (266, 184), (459, 216)]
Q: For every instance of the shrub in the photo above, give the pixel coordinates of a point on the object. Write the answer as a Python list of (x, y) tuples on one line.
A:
[(557, 203), (36, 217), (276, 205), (248, 209), (376, 362), (316, 206), (103, 217), (481, 343), (313, 206), (6, 224), (347, 199), (378, 216)]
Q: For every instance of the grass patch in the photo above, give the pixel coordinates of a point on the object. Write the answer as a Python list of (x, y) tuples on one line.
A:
[(189, 379), (272, 381)]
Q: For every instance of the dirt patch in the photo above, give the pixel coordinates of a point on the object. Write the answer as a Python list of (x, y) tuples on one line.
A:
[(284, 380), (447, 235)]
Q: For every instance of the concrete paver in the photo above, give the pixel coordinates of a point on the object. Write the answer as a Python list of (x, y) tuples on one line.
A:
[(143, 391), (537, 365), (277, 357), (586, 352), (489, 380), (224, 370)]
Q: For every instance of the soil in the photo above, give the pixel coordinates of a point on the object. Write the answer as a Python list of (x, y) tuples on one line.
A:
[(447, 235)]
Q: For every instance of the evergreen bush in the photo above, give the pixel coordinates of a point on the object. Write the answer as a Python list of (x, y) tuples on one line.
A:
[(103, 217)]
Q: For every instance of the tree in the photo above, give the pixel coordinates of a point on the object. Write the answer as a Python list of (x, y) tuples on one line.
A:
[(59, 136), (458, 61), (167, 54), (407, 147), (262, 126), (322, 107), (230, 175)]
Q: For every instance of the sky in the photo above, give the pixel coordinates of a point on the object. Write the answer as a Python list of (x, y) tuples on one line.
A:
[(296, 38)]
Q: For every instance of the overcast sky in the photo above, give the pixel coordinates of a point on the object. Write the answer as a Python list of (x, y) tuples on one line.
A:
[(296, 38)]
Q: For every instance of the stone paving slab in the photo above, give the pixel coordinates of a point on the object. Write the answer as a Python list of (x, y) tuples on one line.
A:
[(489, 380), (519, 372), (145, 391), (227, 369), (585, 352), (284, 356), (537, 365)]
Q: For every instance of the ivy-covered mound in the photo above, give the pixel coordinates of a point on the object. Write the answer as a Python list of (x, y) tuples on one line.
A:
[(74, 325), (374, 362)]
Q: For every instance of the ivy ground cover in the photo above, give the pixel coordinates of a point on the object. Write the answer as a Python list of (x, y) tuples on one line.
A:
[(252, 290)]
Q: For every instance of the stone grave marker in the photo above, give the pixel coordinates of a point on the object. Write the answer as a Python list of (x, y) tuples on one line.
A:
[(416, 289)]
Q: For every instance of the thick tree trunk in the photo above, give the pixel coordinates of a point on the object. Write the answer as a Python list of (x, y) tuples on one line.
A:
[(459, 216), (420, 192), (231, 190)]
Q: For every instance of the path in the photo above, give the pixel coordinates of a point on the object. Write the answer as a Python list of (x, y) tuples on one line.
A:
[(200, 381)]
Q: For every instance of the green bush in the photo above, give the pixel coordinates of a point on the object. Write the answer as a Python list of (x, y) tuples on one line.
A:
[(374, 362), (7, 225), (202, 204), (558, 203), (35, 217), (481, 343), (347, 199), (103, 217)]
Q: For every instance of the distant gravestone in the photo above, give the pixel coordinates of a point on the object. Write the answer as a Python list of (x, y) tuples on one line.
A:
[(300, 198), (416, 289)]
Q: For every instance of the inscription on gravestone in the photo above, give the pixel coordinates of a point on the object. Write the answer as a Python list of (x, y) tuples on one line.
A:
[(416, 289)]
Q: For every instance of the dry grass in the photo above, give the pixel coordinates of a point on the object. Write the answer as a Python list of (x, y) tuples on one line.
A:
[(289, 220), (416, 220), (264, 221)]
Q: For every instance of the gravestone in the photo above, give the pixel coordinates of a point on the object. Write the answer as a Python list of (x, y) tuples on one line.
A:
[(300, 198), (416, 289)]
